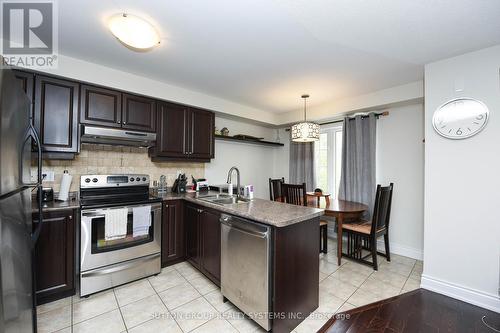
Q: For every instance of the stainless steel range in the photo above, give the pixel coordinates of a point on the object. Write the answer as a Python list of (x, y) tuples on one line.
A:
[(120, 231)]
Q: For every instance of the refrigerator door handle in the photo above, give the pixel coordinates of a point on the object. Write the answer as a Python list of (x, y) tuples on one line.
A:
[(36, 138), (29, 137)]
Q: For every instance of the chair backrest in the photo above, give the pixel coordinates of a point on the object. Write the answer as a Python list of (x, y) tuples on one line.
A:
[(382, 208), (294, 194), (275, 188)]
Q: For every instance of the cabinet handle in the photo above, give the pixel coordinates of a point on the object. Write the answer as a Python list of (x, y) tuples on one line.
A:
[(118, 122), (70, 217), (124, 123)]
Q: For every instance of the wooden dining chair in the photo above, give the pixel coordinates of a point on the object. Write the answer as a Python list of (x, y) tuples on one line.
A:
[(297, 195), (362, 234), (314, 200), (294, 194), (275, 189)]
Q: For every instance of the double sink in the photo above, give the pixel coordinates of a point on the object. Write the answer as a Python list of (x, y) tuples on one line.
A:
[(224, 199)]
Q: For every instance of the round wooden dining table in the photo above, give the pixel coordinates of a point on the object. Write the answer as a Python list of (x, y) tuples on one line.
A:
[(341, 209)]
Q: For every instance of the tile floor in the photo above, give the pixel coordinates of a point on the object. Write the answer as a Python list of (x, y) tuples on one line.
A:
[(181, 299)]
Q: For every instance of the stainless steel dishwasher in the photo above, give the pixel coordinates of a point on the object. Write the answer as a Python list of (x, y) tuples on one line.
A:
[(246, 267)]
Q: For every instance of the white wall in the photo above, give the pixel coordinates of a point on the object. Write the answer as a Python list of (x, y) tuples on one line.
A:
[(462, 184), (101, 75), (409, 93), (400, 159), (256, 163)]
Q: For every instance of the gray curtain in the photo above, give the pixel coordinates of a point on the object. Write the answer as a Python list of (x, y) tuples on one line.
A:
[(357, 180), (302, 164)]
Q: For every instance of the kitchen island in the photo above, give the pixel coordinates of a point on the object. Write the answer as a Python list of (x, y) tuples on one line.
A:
[(191, 231)]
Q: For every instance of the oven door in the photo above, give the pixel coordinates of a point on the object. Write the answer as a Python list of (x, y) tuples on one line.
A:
[(97, 252)]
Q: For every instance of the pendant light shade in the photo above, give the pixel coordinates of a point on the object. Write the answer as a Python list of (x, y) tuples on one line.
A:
[(305, 131)]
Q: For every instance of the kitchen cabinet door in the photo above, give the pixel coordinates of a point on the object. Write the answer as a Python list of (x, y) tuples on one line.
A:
[(56, 114), (202, 134), (100, 106), (210, 244), (172, 247), (171, 131), (139, 113), (54, 256), (26, 80), (192, 223)]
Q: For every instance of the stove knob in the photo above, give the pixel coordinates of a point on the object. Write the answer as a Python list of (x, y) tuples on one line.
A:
[(132, 179), (94, 180), (143, 179), (138, 179), (87, 180)]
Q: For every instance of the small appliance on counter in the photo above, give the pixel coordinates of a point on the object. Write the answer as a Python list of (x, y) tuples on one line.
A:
[(47, 194), (180, 184), (200, 185), (224, 188)]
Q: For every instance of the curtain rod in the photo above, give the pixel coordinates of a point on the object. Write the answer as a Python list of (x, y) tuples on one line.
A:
[(378, 115)]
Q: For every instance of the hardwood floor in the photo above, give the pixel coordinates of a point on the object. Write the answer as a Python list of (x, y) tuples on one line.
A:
[(416, 311)]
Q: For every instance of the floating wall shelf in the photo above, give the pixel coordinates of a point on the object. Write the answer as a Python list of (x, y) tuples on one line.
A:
[(254, 142)]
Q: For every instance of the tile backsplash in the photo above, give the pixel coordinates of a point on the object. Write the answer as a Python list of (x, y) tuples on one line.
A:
[(104, 159)]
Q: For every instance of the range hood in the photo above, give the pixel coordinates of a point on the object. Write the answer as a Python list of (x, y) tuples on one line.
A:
[(117, 137)]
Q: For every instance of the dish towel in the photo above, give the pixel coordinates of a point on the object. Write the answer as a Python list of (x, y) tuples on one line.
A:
[(141, 220), (115, 223)]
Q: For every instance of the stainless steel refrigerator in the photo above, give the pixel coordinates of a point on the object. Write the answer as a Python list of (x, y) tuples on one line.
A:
[(18, 139)]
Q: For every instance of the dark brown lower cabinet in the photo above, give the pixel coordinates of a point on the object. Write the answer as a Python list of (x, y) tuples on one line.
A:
[(203, 240), (192, 223), (210, 243), (173, 249), (54, 256)]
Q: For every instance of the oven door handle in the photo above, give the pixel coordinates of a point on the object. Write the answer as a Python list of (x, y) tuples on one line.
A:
[(120, 266), (92, 215)]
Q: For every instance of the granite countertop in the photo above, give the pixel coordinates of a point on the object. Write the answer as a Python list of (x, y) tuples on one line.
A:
[(272, 213), (72, 203)]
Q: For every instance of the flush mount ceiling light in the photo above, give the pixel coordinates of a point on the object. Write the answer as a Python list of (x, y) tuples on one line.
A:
[(305, 131), (134, 32)]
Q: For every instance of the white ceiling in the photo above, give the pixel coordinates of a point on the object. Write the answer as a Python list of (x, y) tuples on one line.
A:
[(266, 53)]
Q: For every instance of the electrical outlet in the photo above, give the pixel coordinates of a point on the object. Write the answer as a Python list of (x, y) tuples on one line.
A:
[(48, 175)]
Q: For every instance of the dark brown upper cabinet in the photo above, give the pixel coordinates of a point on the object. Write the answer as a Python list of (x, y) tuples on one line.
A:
[(56, 115), (111, 108), (202, 134), (171, 130), (138, 113), (100, 106), (26, 80), (183, 133)]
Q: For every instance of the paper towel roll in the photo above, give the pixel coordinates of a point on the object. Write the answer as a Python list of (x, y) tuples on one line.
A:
[(65, 185)]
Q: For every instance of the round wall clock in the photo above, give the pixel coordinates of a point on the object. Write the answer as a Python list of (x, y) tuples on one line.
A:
[(460, 118)]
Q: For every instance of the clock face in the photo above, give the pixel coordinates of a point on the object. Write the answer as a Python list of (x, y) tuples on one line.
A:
[(460, 118)]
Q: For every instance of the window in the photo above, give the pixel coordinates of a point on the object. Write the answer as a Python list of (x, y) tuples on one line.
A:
[(328, 156)]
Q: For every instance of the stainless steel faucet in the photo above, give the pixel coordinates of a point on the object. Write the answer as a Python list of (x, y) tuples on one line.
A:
[(238, 181)]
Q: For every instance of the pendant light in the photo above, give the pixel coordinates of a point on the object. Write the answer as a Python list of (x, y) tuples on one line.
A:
[(305, 131)]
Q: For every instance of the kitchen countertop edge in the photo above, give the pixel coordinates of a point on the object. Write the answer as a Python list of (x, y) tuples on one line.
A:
[(259, 214)]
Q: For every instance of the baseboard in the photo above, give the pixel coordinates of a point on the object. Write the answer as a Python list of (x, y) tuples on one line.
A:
[(476, 297), (396, 248), (402, 250)]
